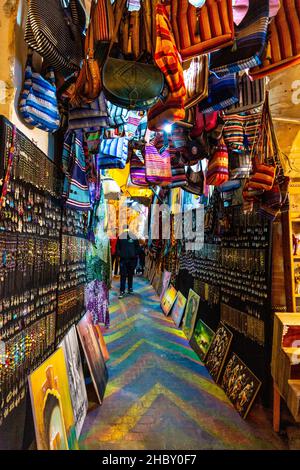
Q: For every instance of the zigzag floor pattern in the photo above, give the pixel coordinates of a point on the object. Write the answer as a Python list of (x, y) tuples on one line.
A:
[(159, 394)]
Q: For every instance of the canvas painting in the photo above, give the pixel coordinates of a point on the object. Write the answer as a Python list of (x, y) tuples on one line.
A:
[(218, 351), (166, 277), (201, 339), (178, 309), (190, 314), (102, 343), (76, 378), (93, 354), (52, 406), (157, 279), (240, 385), (168, 299)]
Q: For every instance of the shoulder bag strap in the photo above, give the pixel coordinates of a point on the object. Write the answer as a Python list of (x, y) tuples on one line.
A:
[(119, 9)]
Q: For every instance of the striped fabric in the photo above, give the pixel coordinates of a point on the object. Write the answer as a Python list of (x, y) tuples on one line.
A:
[(284, 46), (113, 153), (217, 170), (90, 116), (222, 94), (168, 60), (137, 169), (76, 190), (38, 103), (117, 115), (134, 118), (250, 41), (263, 177), (158, 166), (142, 128), (102, 19), (241, 130), (251, 94), (47, 32)]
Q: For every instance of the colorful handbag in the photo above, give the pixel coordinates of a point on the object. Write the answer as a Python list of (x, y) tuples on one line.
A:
[(76, 190), (113, 153), (55, 29), (195, 73), (251, 94), (91, 116), (137, 168), (241, 131), (158, 166), (38, 103), (117, 115), (217, 170), (249, 43), (263, 177), (201, 30), (222, 93), (283, 49)]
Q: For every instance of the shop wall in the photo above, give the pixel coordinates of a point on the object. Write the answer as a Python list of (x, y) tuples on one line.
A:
[(13, 51)]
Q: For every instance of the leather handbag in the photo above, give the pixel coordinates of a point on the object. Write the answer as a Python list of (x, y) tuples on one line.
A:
[(249, 43), (55, 29), (88, 84), (251, 94), (130, 84), (201, 30), (113, 153), (38, 103), (283, 48)]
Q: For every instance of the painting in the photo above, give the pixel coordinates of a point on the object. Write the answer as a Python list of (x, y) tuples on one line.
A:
[(166, 277), (178, 309), (168, 299), (201, 339), (102, 343), (93, 354), (157, 279), (240, 385), (218, 351), (52, 406), (76, 378), (190, 314)]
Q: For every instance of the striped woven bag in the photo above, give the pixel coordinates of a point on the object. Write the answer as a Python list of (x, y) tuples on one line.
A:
[(158, 166), (137, 168), (217, 170), (38, 103), (222, 93)]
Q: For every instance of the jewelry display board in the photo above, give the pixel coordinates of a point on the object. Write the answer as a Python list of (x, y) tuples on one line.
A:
[(42, 268)]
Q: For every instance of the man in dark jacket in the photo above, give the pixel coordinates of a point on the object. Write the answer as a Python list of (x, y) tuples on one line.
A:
[(128, 250)]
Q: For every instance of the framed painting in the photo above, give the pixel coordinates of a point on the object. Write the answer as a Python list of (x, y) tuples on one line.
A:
[(102, 343), (92, 351), (166, 277), (218, 351), (52, 406), (240, 385), (178, 308), (190, 314), (201, 339), (168, 299), (78, 393)]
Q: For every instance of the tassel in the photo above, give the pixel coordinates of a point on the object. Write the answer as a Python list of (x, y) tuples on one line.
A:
[(234, 46)]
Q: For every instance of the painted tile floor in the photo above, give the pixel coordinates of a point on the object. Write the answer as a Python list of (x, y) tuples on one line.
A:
[(159, 395)]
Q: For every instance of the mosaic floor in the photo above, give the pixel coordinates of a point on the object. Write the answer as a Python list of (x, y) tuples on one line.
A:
[(159, 395)]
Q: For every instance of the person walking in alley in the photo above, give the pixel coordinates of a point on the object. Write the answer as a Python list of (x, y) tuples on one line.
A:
[(128, 249)]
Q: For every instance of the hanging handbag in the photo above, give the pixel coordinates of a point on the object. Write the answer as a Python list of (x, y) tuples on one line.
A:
[(217, 170), (130, 84), (88, 84), (251, 94), (195, 179), (76, 190), (113, 153), (38, 103), (158, 166), (91, 116), (195, 73), (102, 19), (117, 116), (249, 43), (201, 30), (241, 131), (55, 31), (137, 168), (283, 48), (222, 93)]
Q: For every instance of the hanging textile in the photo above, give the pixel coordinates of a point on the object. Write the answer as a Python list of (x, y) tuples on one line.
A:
[(168, 60)]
